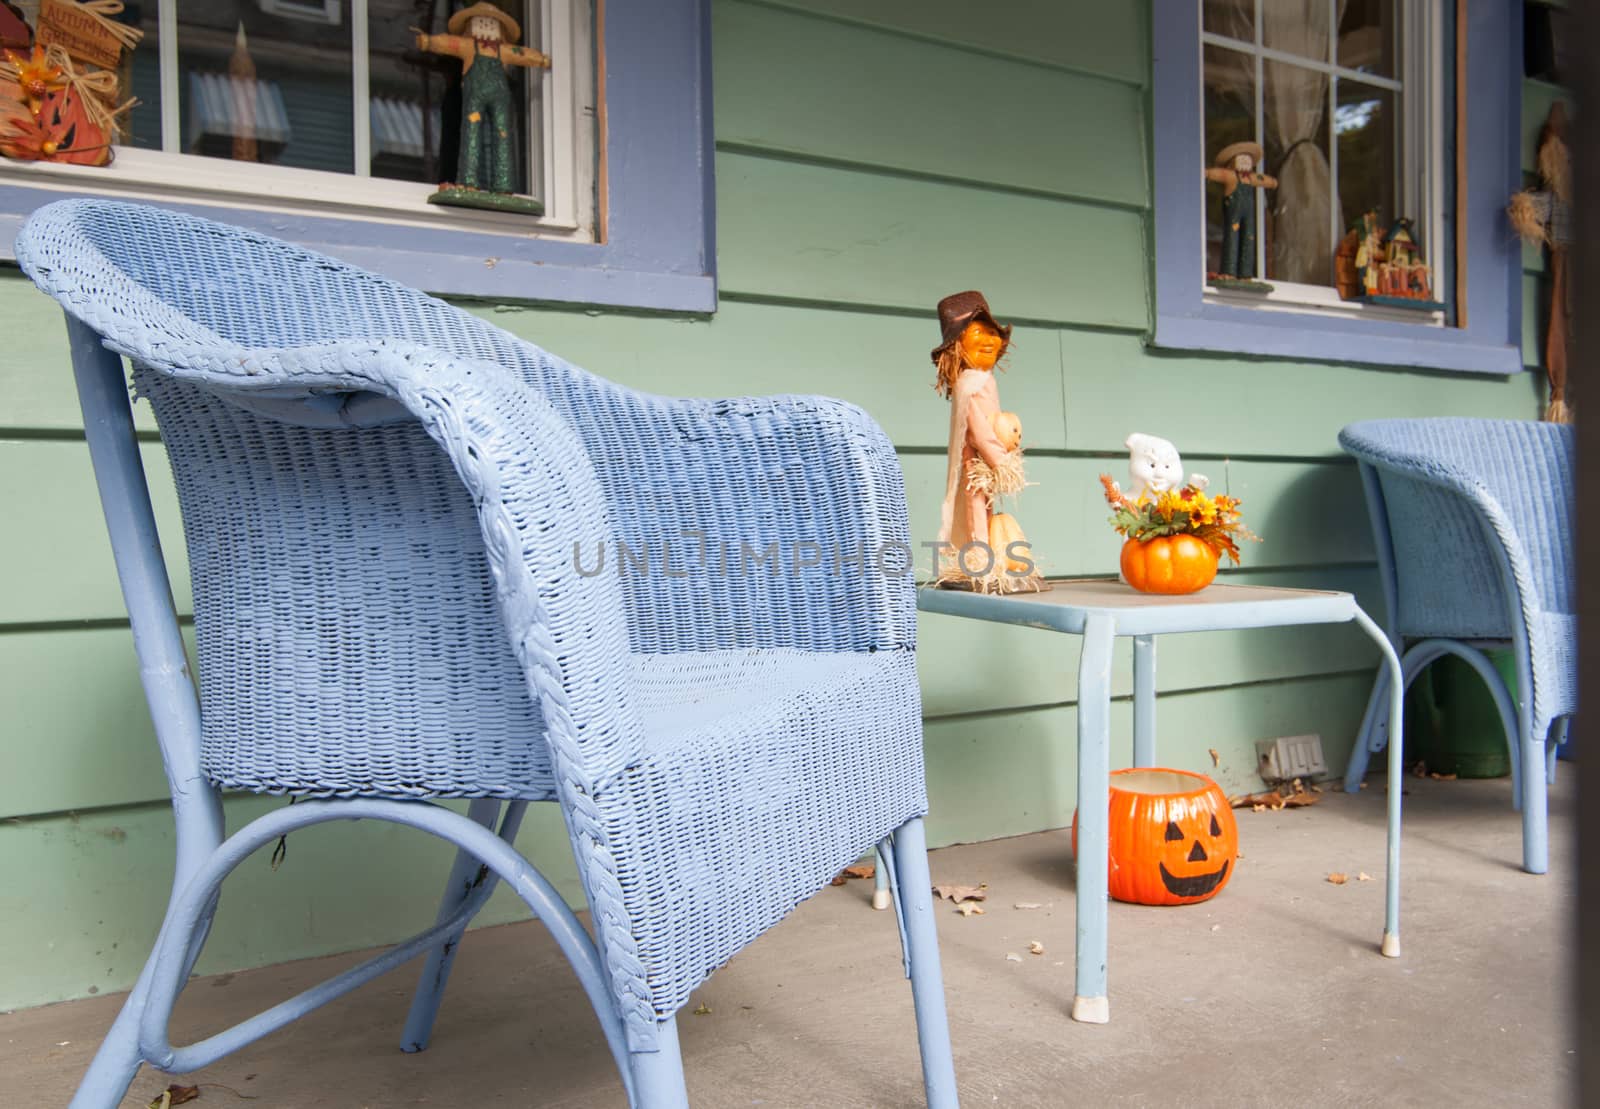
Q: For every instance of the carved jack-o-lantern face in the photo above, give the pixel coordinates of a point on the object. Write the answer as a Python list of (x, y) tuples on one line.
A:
[(1173, 837)]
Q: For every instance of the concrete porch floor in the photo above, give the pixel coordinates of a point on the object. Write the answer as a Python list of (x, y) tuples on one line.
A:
[(1273, 994)]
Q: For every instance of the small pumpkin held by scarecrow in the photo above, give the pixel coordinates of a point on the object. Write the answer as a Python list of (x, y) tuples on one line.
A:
[(1544, 215), (984, 550), (484, 38)]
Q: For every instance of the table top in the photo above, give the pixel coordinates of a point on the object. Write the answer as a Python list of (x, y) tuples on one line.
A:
[(1068, 603)]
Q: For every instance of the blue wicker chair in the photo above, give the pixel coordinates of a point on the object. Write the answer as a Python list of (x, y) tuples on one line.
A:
[(1473, 521), (394, 514)]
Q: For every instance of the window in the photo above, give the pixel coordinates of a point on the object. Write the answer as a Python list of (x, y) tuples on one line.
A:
[(1337, 96), (1351, 106), (322, 121)]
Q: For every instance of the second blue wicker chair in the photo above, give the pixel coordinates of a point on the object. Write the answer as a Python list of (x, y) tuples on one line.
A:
[(394, 515), (1473, 521)]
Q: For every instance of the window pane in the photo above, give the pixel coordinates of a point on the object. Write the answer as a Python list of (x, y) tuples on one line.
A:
[(1296, 27), (1299, 235), (417, 95), (1230, 104), (1234, 18), (267, 81), (1368, 36), (1364, 127)]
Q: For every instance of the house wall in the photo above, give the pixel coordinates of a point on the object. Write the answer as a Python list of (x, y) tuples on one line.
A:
[(870, 159)]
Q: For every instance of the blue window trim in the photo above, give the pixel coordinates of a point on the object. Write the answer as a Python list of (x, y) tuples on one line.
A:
[(1491, 341), (660, 239)]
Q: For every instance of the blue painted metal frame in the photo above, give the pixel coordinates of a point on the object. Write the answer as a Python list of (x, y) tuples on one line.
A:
[(660, 240), (1491, 341), (1100, 610)]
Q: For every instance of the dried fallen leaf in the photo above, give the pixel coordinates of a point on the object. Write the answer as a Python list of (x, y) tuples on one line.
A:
[(1027, 905), (1216, 927), (1275, 800), (962, 893), (1363, 877), (1013, 957), (1337, 878), (1216, 759), (863, 870), (1035, 947), (1441, 777), (175, 1095), (703, 1011), (969, 908), (1420, 770), (837, 880)]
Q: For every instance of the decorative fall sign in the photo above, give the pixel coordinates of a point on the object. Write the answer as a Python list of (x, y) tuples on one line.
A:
[(58, 100), (86, 31), (1173, 837)]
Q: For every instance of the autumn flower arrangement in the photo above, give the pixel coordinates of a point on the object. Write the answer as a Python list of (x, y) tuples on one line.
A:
[(1174, 537)]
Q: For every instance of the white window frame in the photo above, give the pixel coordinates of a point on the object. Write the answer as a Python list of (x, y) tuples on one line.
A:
[(568, 159), (1421, 186)]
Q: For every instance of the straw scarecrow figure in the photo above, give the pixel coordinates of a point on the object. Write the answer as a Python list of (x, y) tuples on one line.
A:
[(1545, 216), (486, 49), (986, 550), (1235, 170)]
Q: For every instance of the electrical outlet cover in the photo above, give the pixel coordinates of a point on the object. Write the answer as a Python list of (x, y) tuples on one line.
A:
[(1290, 757)]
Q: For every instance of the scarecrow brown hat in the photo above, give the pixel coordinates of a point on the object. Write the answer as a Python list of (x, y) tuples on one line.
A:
[(959, 309), (460, 21), (1227, 154)]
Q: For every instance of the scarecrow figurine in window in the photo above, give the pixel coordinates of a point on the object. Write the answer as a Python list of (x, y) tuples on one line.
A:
[(1235, 170), (985, 550), (485, 50)]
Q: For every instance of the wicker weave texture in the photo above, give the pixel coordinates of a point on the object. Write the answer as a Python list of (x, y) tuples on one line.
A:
[(390, 507), (1451, 488)]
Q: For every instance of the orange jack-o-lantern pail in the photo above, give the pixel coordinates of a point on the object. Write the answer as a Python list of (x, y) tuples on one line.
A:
[(1173, 837)]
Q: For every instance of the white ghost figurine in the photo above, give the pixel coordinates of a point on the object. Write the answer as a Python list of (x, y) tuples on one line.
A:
[(1155, 467)]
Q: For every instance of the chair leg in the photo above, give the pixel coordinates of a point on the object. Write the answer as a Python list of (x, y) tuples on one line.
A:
[(914, 889), (118, 1059), (464, 875), (1373, 734), (880, 882), (658, 1074), (1535, 815)]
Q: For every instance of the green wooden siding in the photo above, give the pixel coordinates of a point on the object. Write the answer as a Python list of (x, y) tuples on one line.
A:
[(871, 158)]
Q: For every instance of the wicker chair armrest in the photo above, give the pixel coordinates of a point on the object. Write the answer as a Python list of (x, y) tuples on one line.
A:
[(537, 500), (754, 522)]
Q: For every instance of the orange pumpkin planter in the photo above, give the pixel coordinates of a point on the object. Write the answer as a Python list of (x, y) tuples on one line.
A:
[(1173, 837), (1169, 564)]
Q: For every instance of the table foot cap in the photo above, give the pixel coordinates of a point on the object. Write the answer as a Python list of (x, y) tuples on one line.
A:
[(1391, 945), (880, 899), (1091, 1010)]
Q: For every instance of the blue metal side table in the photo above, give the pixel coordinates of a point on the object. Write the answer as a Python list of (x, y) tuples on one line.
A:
[(1100, 610)]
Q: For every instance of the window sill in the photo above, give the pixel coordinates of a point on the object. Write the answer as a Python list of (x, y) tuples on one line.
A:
[(1317, 300), (1329, 336), (149, 175)]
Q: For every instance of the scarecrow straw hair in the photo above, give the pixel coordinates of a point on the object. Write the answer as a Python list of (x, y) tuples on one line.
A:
[(952, 362)]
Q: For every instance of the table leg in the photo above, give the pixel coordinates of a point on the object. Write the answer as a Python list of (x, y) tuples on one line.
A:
[(1094, 800), (1144, 700), (1395, 785)]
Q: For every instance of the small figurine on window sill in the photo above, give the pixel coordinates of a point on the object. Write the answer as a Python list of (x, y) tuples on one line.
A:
[(486, 117), (1235, 170), (985, 551), (1394, 274)]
